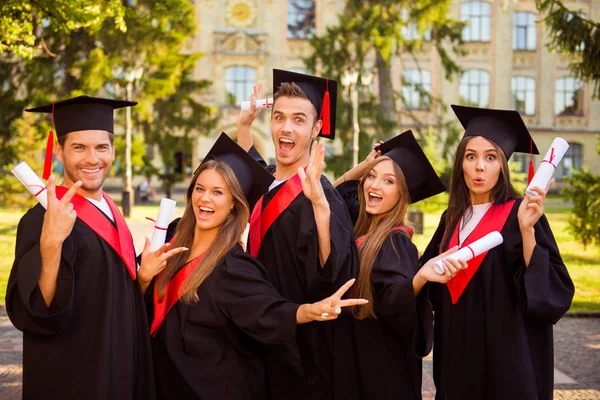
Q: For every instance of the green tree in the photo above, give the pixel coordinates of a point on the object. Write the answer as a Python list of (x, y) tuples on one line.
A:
[(375, 29), (572, 33), (584, 191)]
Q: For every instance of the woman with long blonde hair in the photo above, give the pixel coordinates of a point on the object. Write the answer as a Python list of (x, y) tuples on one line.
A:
[(377, 192), (210, 302)]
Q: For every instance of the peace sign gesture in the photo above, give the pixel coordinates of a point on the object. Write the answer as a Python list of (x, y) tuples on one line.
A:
[(311, 179), (60, 215), (328, 309), (154, 261)]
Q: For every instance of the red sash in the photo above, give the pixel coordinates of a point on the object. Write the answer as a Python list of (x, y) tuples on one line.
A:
[(260, 221), (172, 293), (493, 220), (404, 229), (119, 239)]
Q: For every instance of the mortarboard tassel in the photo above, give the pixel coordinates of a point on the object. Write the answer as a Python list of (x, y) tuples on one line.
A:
[(325, 114), (49, 151), (531, 171)]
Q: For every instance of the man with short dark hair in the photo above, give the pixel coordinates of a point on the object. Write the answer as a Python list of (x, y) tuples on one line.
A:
[(73, 287), (306, 244)]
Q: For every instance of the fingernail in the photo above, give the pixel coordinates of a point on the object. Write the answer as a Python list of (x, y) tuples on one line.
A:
[(324, 315)]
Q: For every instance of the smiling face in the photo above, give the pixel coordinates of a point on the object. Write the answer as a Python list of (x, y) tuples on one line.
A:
[(293, 126), (381, 188), (86, 156), (212, 200), (481, 169)]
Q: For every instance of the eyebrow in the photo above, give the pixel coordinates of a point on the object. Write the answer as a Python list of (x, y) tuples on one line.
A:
[(485, 151), (295, 113), (216, 187), (386, 174)]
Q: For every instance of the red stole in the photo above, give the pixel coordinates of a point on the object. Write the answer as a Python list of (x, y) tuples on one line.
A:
[(172, 293), (118, 238), (260, 221), (404, 229), (493, 220)]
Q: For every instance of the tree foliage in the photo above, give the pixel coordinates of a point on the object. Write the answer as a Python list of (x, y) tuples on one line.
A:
[(376, 30), (584, 192), (572, 33)]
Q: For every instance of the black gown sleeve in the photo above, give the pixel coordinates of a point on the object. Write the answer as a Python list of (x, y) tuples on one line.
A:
[(24, 301), (349, 192), (545, 287)]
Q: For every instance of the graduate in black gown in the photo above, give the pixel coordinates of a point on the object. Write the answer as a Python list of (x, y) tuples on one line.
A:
[(384, 361), (73, 289), (306, 244), (493, 320), (212, 305)]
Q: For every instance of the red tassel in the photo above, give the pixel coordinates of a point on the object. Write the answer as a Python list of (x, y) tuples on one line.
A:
[(324, 117), (531, 172), (48, 159)]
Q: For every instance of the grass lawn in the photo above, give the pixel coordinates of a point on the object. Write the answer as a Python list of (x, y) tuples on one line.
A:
[(583, 264)]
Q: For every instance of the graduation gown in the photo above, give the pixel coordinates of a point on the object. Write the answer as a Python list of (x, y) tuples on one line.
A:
[(92, 342), (210, 349), (496, 341), (382, 363), (290, 254)]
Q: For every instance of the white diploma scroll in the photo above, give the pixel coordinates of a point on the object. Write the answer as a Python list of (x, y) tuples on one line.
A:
[(159, 234), (260, 103), (546, 169), (32, 182), (476, 248)]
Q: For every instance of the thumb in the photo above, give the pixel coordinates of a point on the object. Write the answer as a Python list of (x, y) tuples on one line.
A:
[(146, 245)]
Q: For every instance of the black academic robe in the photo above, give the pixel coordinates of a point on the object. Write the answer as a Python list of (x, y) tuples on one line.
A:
[(210, 349), (290, 254), (382, 363), (496, 341), (92, 342)]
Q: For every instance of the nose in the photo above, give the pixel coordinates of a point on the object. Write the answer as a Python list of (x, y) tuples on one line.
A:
[(91, 157), (376, 184), (287, 126), (480, 164)]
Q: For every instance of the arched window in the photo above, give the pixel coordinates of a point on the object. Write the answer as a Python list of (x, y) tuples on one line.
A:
[(478, 14), (475, 88), (300, 19), (239, 83), (523, 94), (569, 97), (409, 29), (524, 31), (573, 158), (415, 86)]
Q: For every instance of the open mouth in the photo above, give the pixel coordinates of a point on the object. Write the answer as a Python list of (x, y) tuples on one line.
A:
[(205, 212), (286, 145), (374, 199), (479, 181)]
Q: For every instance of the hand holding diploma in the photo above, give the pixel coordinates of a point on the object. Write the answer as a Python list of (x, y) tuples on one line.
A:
[(165, 212), (32, 182), (548, 165), (259, 104), (473, 250)]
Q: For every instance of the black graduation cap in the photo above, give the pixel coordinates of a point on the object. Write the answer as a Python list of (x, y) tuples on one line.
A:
[(253, 177), (80, 113), (321, 92), (504, 127), (420, 176)]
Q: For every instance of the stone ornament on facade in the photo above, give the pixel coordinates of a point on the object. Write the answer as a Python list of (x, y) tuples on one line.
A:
[(240, 13)]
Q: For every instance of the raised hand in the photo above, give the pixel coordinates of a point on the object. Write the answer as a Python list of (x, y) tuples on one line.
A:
[(532, 208), (60, 216), (154, 261), (311, 179), (329, 308), (246, 117)]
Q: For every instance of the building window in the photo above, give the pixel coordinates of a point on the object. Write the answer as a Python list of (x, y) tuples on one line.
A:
[(522, 162), (416, 86), (409, 29), (300, 19), (239, 84), (524, 31), (573, 159), (523, 94), (475, 88), (569, 97), (478, 16)]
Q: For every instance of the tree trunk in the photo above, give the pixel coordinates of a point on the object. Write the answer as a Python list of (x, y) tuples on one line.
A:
[(386, 92)]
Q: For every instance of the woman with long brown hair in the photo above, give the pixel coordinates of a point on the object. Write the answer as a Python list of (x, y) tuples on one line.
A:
[(493, 321), (383, 364), (210, 303)]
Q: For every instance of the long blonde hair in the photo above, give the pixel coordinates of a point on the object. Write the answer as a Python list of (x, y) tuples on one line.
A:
[(369, 248), (229, 235)]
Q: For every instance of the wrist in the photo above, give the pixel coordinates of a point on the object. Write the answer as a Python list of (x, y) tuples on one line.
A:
[(419, 280), (321, 205), (527, 230), (48, 245)]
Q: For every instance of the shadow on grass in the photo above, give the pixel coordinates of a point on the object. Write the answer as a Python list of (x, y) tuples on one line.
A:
[(579, 259), (579, 306), (8, 229)]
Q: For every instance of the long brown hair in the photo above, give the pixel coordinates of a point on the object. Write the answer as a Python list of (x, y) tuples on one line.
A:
[(229, 235), (460, 199), (377, 234)]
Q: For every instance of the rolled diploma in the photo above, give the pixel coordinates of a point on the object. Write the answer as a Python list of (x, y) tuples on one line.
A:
[(260, 103), (476, 248), (165, 211), (32, 182), (546, 169)]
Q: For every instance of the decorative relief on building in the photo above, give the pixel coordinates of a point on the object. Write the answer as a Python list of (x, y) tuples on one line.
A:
[(240, 13), (233, 41)]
